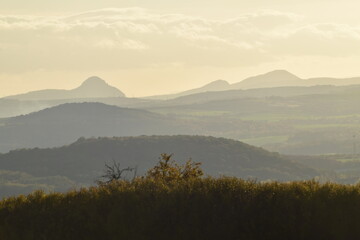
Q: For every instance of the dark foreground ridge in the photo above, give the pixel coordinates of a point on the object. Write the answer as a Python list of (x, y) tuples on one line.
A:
[(201, 208)]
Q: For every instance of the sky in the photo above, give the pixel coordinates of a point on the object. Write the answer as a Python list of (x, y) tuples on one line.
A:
[(155, 47)]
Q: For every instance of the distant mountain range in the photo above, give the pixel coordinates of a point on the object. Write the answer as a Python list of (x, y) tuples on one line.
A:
[(277, 78), (255, 115), (218, 85), (283, 78), (93, 87)]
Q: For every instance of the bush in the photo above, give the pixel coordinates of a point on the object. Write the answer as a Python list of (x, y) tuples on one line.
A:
[(168, 170)]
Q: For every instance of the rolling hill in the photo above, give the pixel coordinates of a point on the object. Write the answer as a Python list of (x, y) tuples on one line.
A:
[(83, 161), (218, 85), (65, 123)]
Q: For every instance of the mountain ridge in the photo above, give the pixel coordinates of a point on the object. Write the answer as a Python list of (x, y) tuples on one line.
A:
[(92, 87), (272, 79), (269, 79), (217, 85)]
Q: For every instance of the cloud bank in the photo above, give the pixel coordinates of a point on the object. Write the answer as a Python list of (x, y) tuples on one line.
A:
[(138, 38)]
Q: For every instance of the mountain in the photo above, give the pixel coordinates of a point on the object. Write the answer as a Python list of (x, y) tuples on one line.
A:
[(275, 78), (275, 83), (84, 160), (283, 78), (59, 125), (218, 85), (93, 87)]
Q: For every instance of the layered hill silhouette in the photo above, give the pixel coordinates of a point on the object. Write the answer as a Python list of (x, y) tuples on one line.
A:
[(315, 101), (277, 78), (218, 85), (84, 160), (283, 78), (204, 97), (273, 79), (275, 83), (65, 123), (93, 87)]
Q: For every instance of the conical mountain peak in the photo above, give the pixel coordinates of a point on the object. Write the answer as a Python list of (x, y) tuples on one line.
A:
[(283, 74), (276, 78), (97, 87), (93, 87), (94, 81), (217, 84)]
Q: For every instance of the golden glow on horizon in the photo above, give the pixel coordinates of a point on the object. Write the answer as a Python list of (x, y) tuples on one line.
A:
[(163, 48)]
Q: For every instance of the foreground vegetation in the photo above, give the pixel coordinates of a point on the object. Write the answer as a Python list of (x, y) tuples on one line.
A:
[(224, 208), (175, 202)]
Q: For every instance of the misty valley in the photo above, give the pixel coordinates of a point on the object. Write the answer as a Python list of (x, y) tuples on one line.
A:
[(292, 129)]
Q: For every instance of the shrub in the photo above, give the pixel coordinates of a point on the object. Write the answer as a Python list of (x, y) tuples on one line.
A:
[(168, 170)]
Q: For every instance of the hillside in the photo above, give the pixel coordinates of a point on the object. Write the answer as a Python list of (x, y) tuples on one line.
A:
[(84, 160), (65, 123), (283, 78), (252, 93), (15, 107), (277, 78), (290, 120), (215, 86)]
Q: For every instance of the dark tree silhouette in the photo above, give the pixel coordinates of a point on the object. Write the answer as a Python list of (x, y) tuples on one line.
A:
[(114, 172)]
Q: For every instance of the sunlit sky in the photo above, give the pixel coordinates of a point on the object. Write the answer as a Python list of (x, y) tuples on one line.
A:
[(149, 47)]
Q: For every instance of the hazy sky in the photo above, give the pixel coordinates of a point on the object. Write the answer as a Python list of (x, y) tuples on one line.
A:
[(151, 47)]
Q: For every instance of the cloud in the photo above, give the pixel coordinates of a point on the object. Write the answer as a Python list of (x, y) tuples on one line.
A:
[(265, 20), (324, 39), (135, 38)]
